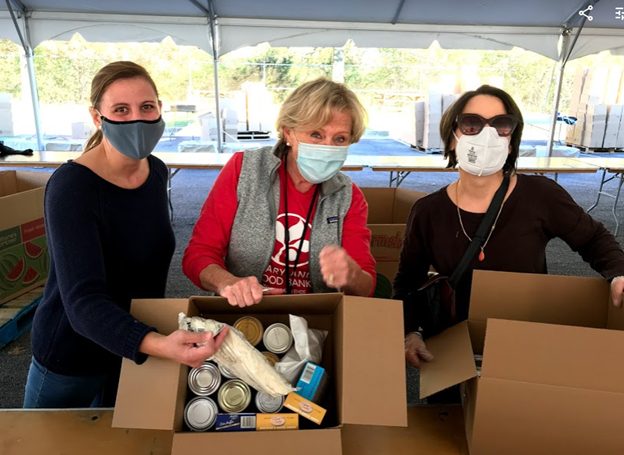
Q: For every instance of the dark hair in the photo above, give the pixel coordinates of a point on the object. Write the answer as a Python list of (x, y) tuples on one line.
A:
[(448, 124)]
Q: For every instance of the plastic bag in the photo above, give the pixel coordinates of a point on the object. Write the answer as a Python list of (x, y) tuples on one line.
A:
[(238, 356), (307, 347)]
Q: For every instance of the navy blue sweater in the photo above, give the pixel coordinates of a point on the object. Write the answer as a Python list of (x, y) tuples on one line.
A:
[(107, 246)]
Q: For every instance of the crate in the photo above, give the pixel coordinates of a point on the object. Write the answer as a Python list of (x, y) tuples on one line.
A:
[(16, 315)]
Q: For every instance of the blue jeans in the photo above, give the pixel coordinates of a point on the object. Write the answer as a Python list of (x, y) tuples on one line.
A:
[(45, 389)]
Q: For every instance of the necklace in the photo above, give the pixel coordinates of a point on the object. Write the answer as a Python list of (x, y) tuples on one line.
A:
[(482, 253)]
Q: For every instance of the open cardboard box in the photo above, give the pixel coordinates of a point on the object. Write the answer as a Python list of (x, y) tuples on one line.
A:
[(388, 210), (552, 377), (363, 355), (24, 260)]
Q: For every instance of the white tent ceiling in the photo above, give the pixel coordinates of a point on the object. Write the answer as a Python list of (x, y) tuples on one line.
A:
[(456, 24)]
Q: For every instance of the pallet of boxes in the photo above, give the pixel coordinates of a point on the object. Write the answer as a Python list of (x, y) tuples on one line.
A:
[(422, 130), (290, 373), (598, 104)]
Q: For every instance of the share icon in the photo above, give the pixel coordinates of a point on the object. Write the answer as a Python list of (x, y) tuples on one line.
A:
[(583, 12)]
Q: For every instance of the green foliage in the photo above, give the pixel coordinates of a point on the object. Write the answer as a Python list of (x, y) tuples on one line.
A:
[(182, 73)]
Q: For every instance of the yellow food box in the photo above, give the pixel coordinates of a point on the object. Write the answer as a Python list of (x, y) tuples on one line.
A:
[(277, 422), (305, 408)]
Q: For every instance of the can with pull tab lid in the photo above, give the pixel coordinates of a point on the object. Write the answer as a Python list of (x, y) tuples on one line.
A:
[(200, 414), (204, 380), (278, 338), (268, 404), (251, 328), (234, 396)]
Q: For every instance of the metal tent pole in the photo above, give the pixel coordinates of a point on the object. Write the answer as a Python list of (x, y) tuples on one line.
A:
[(29, 53)]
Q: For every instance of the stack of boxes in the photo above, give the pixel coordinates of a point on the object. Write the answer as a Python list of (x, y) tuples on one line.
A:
[(423, 128), (6, 115), (598, 104)]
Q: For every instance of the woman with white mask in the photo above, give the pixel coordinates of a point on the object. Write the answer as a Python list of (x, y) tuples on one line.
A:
[(481, 133), (284, 219), (110, 241)]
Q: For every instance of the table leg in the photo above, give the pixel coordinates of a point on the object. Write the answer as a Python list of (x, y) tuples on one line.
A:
[(602, 182), (617, 197)]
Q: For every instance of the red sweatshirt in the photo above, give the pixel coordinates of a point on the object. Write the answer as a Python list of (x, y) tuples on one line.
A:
[(211, 235)]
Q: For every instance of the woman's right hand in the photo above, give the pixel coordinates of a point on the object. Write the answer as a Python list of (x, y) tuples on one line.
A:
[(243, 292), (416, 350), (181, 346)]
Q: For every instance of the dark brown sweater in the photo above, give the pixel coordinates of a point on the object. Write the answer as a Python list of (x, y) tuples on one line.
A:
[(536, 211)]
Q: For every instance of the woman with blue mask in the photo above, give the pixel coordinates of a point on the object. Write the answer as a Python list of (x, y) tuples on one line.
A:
[(110, 240), (284, 219), (481, 133)]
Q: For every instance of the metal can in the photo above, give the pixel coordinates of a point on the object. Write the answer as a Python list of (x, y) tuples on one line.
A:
[(227, 373), (268, 404), (200, 414), (204, 380), (271, 358), (278, 338), (234, 396), (251, 328)]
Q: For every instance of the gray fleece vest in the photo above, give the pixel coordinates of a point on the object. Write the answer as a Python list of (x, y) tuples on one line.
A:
[(253, 231)]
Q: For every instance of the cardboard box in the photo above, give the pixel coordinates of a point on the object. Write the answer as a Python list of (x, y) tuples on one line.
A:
[(24, 260), (153, 395), (388, 209), (551, 372)]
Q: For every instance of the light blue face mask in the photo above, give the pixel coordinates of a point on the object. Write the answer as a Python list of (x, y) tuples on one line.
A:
[(319, 163), (134, 139)]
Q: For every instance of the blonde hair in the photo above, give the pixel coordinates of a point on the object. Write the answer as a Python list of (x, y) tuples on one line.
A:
[(113, 72), (312, 105)]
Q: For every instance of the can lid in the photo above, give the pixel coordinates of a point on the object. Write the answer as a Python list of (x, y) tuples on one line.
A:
[(251, 328), (234, 395), (204, 378), (267, 403), (278, 338), (201, 413)]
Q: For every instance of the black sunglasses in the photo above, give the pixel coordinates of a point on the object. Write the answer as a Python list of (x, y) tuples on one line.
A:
[(471, 124)]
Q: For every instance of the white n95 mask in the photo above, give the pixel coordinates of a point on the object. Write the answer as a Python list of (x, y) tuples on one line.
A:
[(482, 154)]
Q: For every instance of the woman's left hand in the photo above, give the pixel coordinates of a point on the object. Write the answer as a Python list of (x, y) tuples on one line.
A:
[(337, 267), (617, 290)]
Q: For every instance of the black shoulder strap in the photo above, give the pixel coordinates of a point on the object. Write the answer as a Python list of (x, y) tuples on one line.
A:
[(481, 234)]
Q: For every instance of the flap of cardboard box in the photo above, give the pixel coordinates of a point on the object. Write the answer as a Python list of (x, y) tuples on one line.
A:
[(453, 360), (147, 394), (372, 380), (260, 442), (21, 197), (539, 298), (564, 356), (305, 304)]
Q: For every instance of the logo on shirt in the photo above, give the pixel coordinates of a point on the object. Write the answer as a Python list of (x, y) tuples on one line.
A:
[(332, 220), (295, 231)]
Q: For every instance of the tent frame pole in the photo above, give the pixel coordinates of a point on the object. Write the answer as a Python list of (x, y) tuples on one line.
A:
[(564, 56), (29, 53)]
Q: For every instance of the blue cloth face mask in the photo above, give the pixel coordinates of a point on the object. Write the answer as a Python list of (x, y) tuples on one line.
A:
[(319, 163), (135, 139)]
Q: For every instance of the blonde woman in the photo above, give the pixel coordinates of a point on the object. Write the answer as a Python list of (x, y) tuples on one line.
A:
[(284, 219), (110, 240)]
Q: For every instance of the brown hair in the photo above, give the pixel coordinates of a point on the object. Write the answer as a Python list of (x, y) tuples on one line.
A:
[(113, 72), (448, 124), (312, 105)]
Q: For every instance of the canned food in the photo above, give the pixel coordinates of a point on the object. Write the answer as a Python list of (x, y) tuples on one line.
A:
[(268, 404), (200, 413), (204, 380), (272, 358), (251, 328), (277, 338), (227, 373), (234, 396)]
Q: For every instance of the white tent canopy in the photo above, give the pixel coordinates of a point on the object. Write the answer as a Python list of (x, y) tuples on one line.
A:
[(535, 25), (456, 24)]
